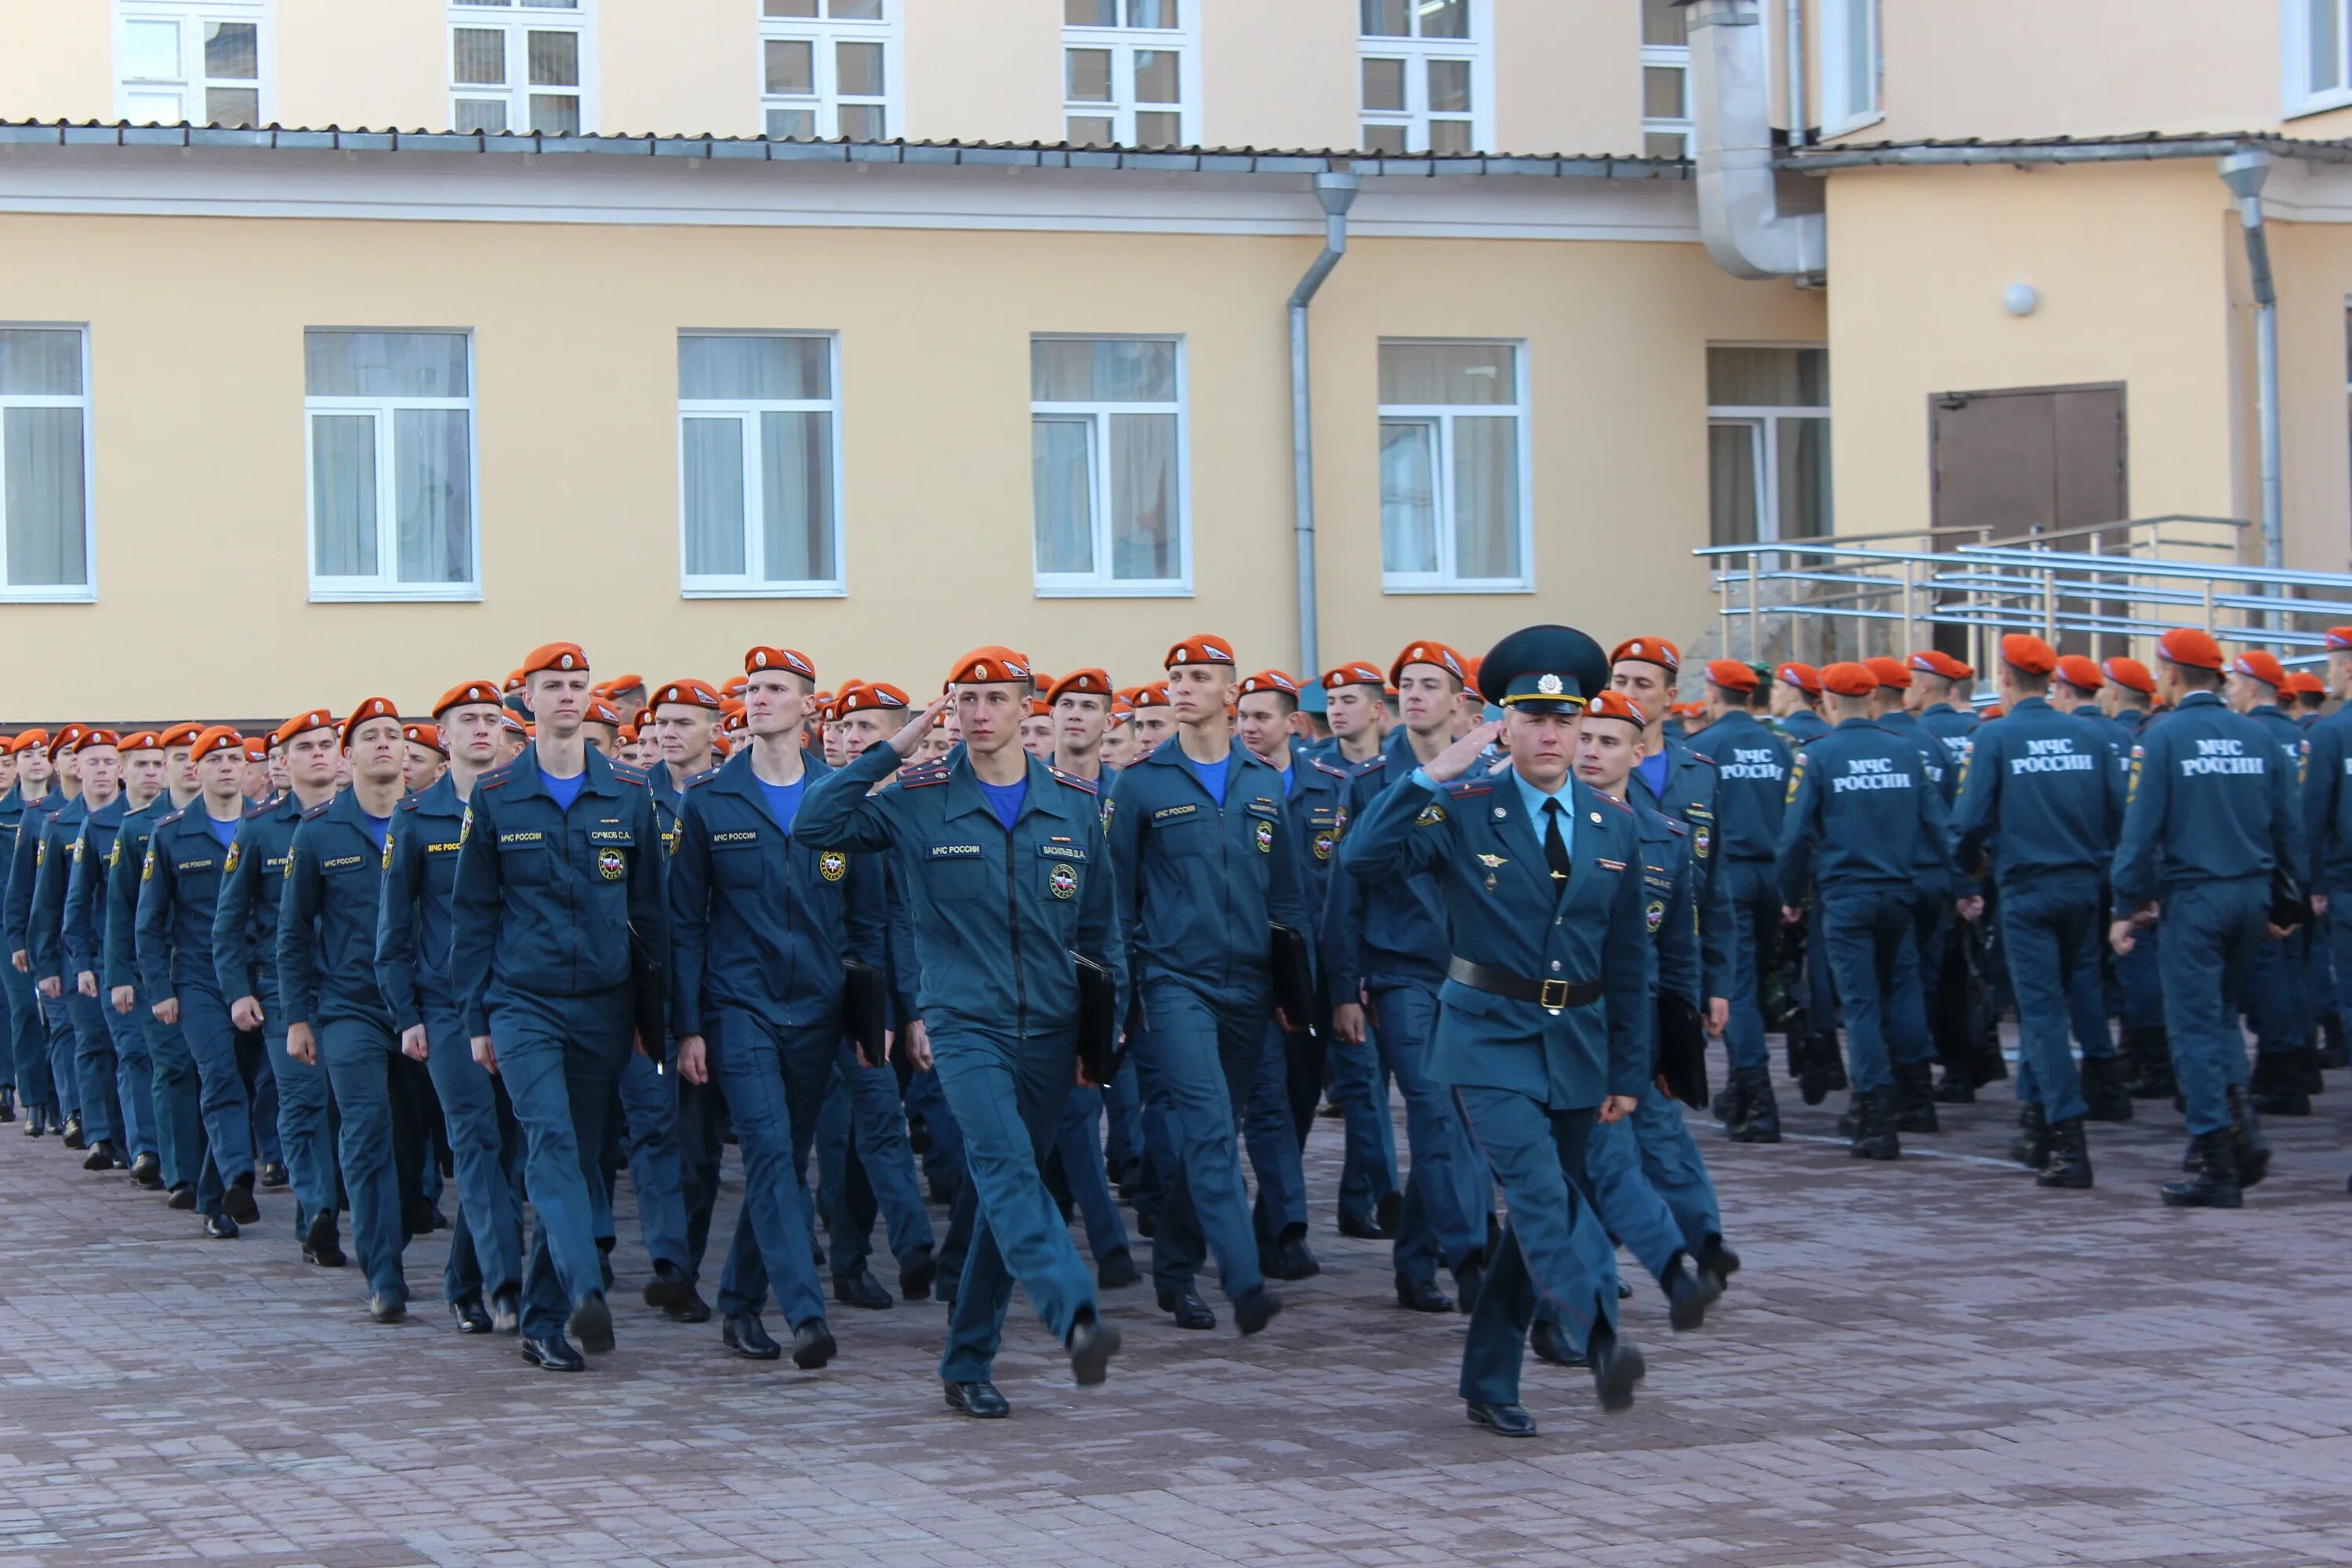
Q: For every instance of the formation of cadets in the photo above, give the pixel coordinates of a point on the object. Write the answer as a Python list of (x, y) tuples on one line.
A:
[(555, 928)]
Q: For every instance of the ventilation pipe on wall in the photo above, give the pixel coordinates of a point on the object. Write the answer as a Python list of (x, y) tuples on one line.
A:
[(2244, 172), (1338, 193), (1740, 216)]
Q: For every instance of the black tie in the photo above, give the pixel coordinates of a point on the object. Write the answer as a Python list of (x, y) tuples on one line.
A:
[(1555, 845)]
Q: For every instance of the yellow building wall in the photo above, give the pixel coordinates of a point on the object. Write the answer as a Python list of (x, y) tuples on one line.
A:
[(2313, 264), (1568, 79), (688, 67), (371, 65), (1278, 75), (56, 62), (983, 72), (199, 498)]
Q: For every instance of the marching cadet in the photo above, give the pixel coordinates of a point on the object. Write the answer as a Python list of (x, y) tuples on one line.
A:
[(1679, 781), (2278, 1003), (244, 963), (1351, 706), (1862, 803), (180, 890), (996, 913), (1037, 729), (1155, 720), (2147, 1050), (1533, 1062), (63, 965), (1938, 698), (1751, 796), (53, 841), (1915, 1037), (2208, 822), (2310, 696), (482, 1280), (2107, 1091), (27, 1069), (88, 930), (179, 1125), (425, 757), (335, 1012), (558, 925), (2042, 790), (1383, 942), (1796, 702), (2328, 819), (1203, 864)]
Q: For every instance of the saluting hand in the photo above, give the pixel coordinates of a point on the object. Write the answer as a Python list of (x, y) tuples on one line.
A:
[(911, 734), (1463, 754)]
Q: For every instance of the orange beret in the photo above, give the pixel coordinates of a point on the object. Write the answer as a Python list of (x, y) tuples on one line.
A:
[(1354, 672), (98, 738), (734, 723), (2339, 639), (1201, 649), (316, 719), (735, 686), (2302, 682), (1886, 672), (1079, 683), (1849, 680), (688, 693), (1470, 664), (1648, 650), (2130, 674), (870, 695), (991, 666), (68, 740), (1731, 675), (1121, 710), (256, 750), (143, 740), (24, 738), (215, 738), (1803, 676), (373, 707), (513, 681), (1991, 713), (779, 658), (426, 735), (2028, 654), (2190, 647), (554, 656), (1616, 705), (1040, 680), (620, 683), (2262, 666), (1268, 680), (465, 694), (1040, 709), (1433, 653), (733, 707), (514, 722), (1935, 661), (602, 712), (2079, 672), (1153, 696)]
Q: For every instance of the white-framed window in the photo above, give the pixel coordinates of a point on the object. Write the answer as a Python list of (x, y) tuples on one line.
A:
[(1665, 80), (1453, 467), (1428, 80), (1108, 474), (2316, 36), (759, 432), (45, 464), (388, 419), (522, 65), (193, 61), (829, 69), (1768, 444), (1130, 73), (1851, 65)]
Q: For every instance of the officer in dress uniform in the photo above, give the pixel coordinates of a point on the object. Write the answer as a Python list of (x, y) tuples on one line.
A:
[(2042, 790), (1004, 865), (2279, 1005), (1751, 794), (2211, 819), (556, 920), (1863, 808), (1542, 1026)]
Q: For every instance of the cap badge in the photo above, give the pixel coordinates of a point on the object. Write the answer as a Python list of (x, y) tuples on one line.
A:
[(1548, 685)]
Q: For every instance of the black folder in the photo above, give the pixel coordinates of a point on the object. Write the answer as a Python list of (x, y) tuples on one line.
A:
[(650, 998), (1682, 1050), (2290, 903), (865, 1011), (1099, 1052), (1293, 975)]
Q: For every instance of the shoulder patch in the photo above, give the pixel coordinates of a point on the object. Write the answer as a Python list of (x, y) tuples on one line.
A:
[(1464, 789), (495, 776), (704, 776), (173, 817), (923, 775), (629, 773), (264, 809), (319, 811), (410, 802), (1084, 786), (1619, 805)]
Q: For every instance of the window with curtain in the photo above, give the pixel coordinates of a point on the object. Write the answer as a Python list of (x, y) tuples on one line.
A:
[(827, 69), (1768, 444), (1850, 64), (391, 437), (1427, 77), (1453, 467), (521, 66), (1108, 466), (43, 465), (193, 61), (758, 504), (1126, 73)]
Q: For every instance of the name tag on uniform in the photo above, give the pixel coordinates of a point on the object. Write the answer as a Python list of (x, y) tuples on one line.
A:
[(952, 851), (1165, 811), (506, 839), (742, 840), (1266, 808), (186, 866), (603, 836), (449, 849), (1061, 851), (342, 862)]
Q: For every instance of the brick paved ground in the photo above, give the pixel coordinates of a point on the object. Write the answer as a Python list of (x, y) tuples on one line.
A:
[(1927, 1363)]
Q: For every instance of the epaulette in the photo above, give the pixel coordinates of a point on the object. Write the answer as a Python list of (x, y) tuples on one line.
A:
[(1332, 768), (319, 811), (410, 802), (1702, 756), (1084, 786), (173, 817), (1606, 799), (1465, 789), (704, 776), (1681, 829), (1367, 765), (923, 775), (629, 773), (264, 809), (493, 777)]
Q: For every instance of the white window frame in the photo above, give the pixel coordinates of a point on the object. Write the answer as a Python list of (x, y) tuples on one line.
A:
[(820, 33), (1669, 57), (1838, 116), (752, 582), (191, 14), (1444, 580), (517, 21), (1123, 42), (1099, 584), (2297, 96), (1417, 52), (86, 591), (386, 585), (1762, 421)]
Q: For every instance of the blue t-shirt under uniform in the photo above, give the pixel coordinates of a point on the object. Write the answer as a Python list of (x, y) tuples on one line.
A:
[(377, 827), (224, 831), (1007, 799), (1212, 775), (1653, 773), (784, 800), (564, 791)]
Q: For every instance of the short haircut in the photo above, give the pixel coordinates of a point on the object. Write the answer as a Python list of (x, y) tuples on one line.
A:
[(2032, 685), (1286, 701), (2199, 678)]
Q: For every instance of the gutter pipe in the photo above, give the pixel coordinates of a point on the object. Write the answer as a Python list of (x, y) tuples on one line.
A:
[(1337, 193), (1740, 216), (2244, 172)]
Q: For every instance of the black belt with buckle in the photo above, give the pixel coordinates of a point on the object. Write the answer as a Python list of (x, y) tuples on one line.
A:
[(1554, 995)]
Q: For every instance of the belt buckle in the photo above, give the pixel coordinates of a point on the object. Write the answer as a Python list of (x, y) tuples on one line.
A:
[(1550, 989)]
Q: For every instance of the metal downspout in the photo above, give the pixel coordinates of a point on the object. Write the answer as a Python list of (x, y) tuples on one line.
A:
[(1740, 216), (1338, 193), (1794, 13), (2244, 172)]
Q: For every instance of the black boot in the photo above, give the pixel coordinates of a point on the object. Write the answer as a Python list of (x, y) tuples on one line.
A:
[(1816, 1063), (1960, 1086), (2333, 1052), (1849, 1122), (2104, 1094), (1728, 1107), (2214, 1186), (2070, 1156), (2031, 1147), (2246, 1135), (1760, 1113), (1835, 1058), (2151, 1048), (2277, 1087), (1875, 1126), (1915, 1085)]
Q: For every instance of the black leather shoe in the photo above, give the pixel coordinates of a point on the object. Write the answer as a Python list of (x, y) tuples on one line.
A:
[(1293, 1260), (147, 1171), (2215, 1183), (813, 1345), (553, 1353), (1254, 1309), (978, 1400), (506, 1312), (1958, 1086), (2246, 1133), (1421, 1296), (2070, 1157), (2107, 1095), (275, 1174), (1617, 1366), (470, 1316), (1914, 1097), (1360, 1225), (591, 1325), (693, 1310), (1147, 1224), (1714, 1257), (1388, 1213), (101, 1155), (1116, 1271), (238, 1201), (220, 1227), (1550, 1342), (1092, 1344), (1469, 1279), (1688, 1296), (669, 1287), (184, 1196), (37, 1121), (1759, 1112), (1503, 1420), (8, 1103), (1189, 1310), (915, 1278), (1875, 1129), (2031, 1147), (748, 1337), (864, 1290), (604, 1259), (387, 1309), (72, 1134), (321, 1245)]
